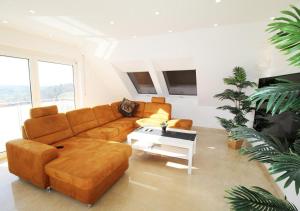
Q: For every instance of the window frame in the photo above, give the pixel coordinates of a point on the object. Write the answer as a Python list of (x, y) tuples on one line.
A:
[(179, 95), (33, 57), (29, 74), (73, 80), (134, 85)]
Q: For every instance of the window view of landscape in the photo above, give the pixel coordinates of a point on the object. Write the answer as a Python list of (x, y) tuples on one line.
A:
[(56, 84), (15, 97)]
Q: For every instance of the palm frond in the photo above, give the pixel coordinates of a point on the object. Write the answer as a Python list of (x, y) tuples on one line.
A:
[(289, 166), (255, 198), (287, 36), (226, 124), (263, 147), (228, 94), (279, 97), (232, 109), (296, 146), (239, 79)]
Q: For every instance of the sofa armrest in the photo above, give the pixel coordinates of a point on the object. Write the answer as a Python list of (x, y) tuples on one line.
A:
[(185, 124), (27, 160)]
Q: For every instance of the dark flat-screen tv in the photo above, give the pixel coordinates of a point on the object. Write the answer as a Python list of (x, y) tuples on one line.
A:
[(284, 125)]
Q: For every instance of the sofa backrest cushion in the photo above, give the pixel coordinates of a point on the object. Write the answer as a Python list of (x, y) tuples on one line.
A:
[(158, 100), (48, 129), (158, 111), (82, 120), (43, 111), (139, 112), (115, 109), (104, 114)]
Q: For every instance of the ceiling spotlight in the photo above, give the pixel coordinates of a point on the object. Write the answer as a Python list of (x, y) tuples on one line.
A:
[(134, 36), (31, 11), (112, 22), (170, 31), (218, 1), (216, 25), (5, 22), (157, 13)]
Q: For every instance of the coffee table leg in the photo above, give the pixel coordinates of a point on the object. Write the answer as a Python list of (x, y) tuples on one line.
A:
[(190, 160)]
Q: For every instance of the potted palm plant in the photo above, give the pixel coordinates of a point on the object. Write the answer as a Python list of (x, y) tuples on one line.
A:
[(282, 156), (240, 105)]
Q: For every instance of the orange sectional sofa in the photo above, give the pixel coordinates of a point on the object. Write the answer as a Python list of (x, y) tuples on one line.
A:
[(78, 153)]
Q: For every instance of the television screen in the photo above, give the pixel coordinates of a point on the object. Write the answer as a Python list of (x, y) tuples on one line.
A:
[(284, 125)]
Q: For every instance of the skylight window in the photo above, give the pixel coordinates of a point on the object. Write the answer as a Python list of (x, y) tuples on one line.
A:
[(142, 82), (181, 82)]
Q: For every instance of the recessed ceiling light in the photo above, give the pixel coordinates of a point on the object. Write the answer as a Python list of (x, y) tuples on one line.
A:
[(218, 1), (170, 31), (5, 22), (31, 11), (272, 18), (112, 22), (216, 25), (134, 36), (157, 13)]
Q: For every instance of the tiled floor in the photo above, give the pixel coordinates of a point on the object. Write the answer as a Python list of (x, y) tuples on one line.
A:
[(153, 183)]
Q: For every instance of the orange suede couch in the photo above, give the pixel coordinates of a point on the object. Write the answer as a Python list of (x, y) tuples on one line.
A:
[(91, 159)]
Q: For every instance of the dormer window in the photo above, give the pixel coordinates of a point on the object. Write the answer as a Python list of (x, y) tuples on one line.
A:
[(142, 82)]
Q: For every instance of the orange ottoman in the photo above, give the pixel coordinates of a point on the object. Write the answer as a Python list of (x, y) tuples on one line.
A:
[(85, 176)]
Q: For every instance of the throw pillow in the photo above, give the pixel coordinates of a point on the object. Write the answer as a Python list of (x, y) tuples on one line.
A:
[(127, 107)]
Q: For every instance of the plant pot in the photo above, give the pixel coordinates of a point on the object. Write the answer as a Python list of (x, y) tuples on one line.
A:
[(234, 144)]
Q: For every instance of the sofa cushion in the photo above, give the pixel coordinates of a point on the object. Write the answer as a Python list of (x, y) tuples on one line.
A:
[(43, 111), (48, 129), (115, 109), (158, 100), (185, 124), (158, 111), (139, 111), (106, 133), (150, 122), (82, 120), (129, 120), (104, 114), (121, 126), (86, 170), (127, 107)]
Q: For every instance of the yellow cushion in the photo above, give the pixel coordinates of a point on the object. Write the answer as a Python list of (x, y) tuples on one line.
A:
[(151, 122), (158, 110)]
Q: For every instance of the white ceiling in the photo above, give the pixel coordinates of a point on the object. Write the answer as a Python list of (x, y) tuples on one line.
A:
[(90, 19)]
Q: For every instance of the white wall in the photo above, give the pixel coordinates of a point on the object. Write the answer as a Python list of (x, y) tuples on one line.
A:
[(212, 51)]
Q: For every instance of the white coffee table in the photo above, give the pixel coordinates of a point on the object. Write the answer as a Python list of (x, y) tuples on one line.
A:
[(173, 143)]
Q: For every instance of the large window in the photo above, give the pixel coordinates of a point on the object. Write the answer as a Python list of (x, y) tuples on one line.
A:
[(15, 97), (57, 85), (142, 82), (181, 82)]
